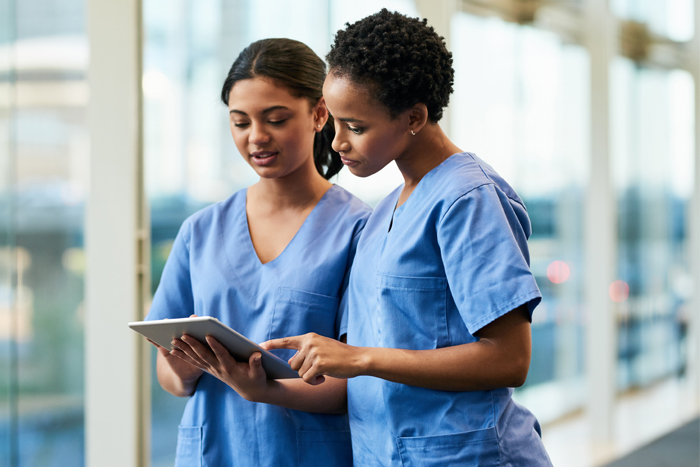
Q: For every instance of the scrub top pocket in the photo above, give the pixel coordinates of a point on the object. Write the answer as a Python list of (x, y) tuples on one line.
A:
[(411, 312), (298, 312), (477, 448), (189, 447)]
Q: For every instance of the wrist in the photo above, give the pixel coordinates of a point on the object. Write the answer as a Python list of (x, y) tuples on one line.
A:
[(264, 393), (364, 361)]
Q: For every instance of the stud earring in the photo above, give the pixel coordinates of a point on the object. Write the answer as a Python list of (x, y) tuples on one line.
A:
[(319, 126), (413, 133)]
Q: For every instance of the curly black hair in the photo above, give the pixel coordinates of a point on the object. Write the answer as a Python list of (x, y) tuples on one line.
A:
[(401, 60)]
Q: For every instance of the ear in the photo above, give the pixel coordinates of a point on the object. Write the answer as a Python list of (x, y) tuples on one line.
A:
[(320, 112), (417, 118)]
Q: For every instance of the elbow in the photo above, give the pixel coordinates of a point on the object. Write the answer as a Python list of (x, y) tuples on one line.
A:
[(518, 372), (175, 388), (518, 380)]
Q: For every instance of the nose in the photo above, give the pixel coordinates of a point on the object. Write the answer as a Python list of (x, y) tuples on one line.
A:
[(339, 144), (258, 134)]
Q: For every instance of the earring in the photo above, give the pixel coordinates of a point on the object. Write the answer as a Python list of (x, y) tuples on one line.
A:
[(413, 133), (318, 126)]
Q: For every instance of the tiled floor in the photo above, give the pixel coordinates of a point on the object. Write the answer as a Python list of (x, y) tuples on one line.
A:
[(639, 418), (680, 448)]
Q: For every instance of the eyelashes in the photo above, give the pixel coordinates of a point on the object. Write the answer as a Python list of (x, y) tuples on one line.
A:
[(271, 122)]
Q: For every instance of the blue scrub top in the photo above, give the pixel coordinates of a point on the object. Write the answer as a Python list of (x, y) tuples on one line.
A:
[(428, 275), (213, 270)]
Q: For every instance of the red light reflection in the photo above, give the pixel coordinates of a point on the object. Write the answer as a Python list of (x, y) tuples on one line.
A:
[(558, 272), (619, 291)]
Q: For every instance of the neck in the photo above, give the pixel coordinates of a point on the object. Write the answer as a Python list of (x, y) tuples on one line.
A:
[(301, 188), (430, 149)]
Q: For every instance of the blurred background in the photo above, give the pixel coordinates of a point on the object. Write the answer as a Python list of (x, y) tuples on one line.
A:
[(587, 107)]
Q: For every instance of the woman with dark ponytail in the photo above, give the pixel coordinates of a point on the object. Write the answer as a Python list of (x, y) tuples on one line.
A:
[(270, 261), (294, 66)]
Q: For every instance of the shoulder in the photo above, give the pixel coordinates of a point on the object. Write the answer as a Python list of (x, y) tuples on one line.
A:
[(470, 188), (465, 172), (212, 215), (467, 176), (347, 205)]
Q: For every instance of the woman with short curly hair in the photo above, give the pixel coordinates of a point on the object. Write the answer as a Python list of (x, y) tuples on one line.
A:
[(441, 295)]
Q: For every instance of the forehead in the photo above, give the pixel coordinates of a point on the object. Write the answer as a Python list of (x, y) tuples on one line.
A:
[(346, 99), (260, 93)]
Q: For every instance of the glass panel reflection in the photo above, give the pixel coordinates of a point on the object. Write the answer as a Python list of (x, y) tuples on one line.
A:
[(652, 136), (44, 153), (8, 369), (521, 103)]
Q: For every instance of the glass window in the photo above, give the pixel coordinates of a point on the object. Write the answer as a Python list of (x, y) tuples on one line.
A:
[(8, 369), (652, 140), (521, 104), (44, 152)]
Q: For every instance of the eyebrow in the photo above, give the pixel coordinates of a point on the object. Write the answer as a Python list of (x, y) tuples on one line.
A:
[(350, 120), (267, 110)]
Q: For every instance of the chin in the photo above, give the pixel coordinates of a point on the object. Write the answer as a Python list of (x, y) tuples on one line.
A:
[(270, 175), (266, 173), (361, 171)]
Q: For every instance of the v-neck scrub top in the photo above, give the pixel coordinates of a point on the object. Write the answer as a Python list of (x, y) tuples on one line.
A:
[(213, 270), (430, 274)]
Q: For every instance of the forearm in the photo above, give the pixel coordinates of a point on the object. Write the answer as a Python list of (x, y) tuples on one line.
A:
[(501, 358), (476, 366), (327, 397)]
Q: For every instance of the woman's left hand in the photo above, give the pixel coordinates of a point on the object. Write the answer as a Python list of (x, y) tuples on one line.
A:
[(247, 379), (318, 356)]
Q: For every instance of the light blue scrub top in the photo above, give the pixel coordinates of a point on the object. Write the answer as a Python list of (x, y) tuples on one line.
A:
[(454, 259), (213, 270)]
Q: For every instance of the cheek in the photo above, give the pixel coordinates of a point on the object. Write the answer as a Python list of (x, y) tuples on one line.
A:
[(240, 140), (374, 149), (298, 141)]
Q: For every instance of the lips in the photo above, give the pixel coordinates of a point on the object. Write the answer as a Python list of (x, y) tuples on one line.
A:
[(263, 158), (346, 161), (262, 154)]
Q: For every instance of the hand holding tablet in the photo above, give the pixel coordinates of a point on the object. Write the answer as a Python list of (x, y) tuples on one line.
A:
[(163, 332)]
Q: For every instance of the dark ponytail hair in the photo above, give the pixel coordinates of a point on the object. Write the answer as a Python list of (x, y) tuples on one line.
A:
[(295, 66)]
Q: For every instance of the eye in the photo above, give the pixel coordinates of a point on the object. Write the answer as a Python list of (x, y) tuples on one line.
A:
[(357, 131), (277, 122), (241, 125)]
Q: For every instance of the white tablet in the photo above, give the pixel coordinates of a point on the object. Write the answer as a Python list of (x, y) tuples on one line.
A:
[(164, 331)]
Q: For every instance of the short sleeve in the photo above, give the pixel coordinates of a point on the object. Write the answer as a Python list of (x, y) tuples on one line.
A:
[(341, 324), (173, 298), (483, 243)]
